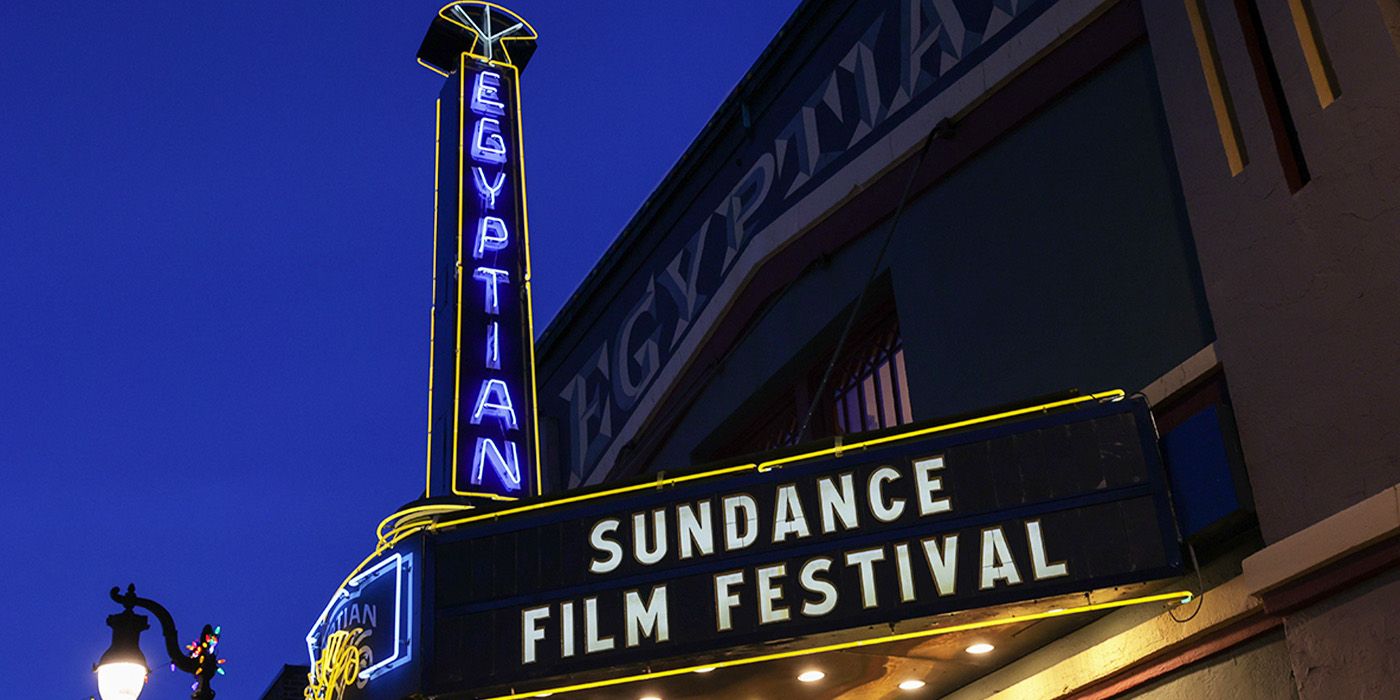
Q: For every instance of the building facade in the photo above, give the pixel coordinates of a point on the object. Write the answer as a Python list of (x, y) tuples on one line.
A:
[(1102, 289), (911, 210)]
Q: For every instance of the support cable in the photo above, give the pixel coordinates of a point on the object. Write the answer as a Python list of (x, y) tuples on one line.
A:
[(943, 129)]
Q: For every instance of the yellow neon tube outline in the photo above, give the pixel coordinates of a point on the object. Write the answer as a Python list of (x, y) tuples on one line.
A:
[(534, 35), (1112, 395), (457, 356), (445, 75), (432, 317), (529, 311), (529, 289), (1183, 596), (387, 541)]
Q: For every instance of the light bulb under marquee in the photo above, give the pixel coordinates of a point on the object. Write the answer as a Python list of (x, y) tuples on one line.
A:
[(980, 648), (811, 676), (911, 684)]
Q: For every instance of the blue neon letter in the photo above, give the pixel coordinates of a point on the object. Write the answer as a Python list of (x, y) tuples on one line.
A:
[(488, 146), (488, 191), (506, 466), (486, 94), (491, 234), (493, 279), (493, 346), (494, 400)]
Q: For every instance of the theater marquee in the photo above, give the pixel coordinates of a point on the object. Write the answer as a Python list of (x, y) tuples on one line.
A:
[(905, 527)]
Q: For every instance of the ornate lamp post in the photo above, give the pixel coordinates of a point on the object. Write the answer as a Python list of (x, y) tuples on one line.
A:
[(122, 670)]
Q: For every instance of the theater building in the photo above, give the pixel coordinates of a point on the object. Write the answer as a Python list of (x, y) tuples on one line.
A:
[(974, 349)]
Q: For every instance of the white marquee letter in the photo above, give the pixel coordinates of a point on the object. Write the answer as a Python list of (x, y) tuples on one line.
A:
[(531, 631), (732, 520), (724, 600), (812, 584), (696, 532), (1040, 568), (836, 504), (768, 594), (927, 485), (996, 560), (648, 620), (788, 518), (865, 559), (603, 545)]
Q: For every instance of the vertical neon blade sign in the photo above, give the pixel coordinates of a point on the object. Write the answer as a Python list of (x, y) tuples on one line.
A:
[(482, 423)]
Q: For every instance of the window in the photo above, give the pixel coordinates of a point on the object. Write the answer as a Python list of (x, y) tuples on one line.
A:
[(868, 390), (872, 390)]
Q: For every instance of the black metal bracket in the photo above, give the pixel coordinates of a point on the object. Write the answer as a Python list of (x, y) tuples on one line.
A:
[(203, 666)]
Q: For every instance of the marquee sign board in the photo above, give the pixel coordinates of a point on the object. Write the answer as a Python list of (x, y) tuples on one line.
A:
[(1056, 503)]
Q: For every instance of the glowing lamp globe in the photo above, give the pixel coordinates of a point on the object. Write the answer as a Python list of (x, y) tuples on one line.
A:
[(121, 680), (121, 672)]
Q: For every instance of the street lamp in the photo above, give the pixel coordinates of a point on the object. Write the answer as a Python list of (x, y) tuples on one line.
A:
[(122, 670)]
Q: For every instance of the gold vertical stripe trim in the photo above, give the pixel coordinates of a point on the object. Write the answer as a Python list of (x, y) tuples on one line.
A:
[(432, 315), (1225, 119), (1390, 14), (527, 286), (1314, 52)]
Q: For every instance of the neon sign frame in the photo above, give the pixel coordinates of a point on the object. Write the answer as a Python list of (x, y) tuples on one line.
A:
[(401, 565)]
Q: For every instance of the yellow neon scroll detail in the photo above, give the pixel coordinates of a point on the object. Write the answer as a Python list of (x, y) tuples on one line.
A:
[(339, 666)]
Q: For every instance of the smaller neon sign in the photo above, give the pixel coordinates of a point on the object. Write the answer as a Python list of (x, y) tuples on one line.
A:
[(373, 613)]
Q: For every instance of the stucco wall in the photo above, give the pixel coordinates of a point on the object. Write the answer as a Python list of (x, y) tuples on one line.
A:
[(1255, 671), (1349, 646), (1304, 286)]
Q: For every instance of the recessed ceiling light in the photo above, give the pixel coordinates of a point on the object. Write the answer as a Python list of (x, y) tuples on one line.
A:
[(706, 669), (650, 697), (911, 684), (980, 648), (810, 676), (543, 695)]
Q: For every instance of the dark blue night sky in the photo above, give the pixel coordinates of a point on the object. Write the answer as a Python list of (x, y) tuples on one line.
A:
[(215, 260)]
